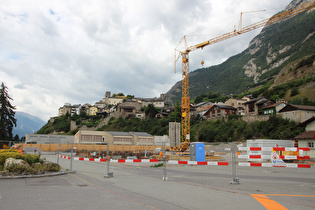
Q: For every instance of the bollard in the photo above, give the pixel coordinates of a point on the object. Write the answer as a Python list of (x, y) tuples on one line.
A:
[(71, 156), (109, 174), (164, 161), (235, 179), (58, 153)]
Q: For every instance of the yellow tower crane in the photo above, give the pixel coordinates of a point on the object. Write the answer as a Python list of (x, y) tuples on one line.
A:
[(184, 54)]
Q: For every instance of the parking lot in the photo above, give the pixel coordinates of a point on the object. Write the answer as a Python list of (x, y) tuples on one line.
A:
[(139, 186)]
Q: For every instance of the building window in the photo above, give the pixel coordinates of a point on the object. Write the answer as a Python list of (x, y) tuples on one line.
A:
[(310, 144)]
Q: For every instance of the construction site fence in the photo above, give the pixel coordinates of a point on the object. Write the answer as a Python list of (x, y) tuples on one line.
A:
[(89, 147), (225, 162)]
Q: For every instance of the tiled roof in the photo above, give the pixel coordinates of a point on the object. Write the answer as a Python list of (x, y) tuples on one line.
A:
[(225, 106), (306, 135), (272, 105), (291, 107), (254, 100)]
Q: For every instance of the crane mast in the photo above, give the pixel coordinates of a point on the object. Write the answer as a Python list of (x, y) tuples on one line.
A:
[(185, 115)]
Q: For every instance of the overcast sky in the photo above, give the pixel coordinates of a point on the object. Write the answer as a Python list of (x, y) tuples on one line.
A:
[(53, 52)]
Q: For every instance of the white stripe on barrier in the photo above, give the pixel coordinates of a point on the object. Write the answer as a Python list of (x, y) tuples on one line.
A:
[(291, 165), (266, 165), (212, 163), (243, 164), (293, 149), (287, 165)]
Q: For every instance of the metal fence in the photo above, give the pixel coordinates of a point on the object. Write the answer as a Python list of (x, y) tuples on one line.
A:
[(225, 164)]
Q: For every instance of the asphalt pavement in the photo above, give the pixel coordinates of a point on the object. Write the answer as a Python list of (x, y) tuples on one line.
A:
[(139, 186)]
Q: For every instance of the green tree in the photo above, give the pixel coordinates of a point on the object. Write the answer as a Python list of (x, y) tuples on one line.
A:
[(176, 115), (16, 138), (151, 111), (7, 114)]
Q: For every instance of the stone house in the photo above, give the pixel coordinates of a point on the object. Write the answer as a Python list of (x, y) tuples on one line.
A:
[(157, 102), (129, 108), (297, 113), (255, 105), (202, 107), (217, 111), (238, 104)]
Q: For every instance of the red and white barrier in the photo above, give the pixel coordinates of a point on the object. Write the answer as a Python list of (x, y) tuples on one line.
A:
[(287, 165), (293, 149), (286, 157), (118, 160), (173, 162), (187, 162), (270, 149)]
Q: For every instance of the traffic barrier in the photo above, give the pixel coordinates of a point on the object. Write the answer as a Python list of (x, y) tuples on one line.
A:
[(187, 162), (286, 157), (298, 153), (287, 165), (293, 149), (173, 162)]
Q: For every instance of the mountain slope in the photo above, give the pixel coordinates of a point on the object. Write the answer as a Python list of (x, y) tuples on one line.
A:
[(26, 123), (268, 53)]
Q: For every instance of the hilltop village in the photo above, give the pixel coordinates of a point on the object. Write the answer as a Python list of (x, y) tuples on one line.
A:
[(251, 109)]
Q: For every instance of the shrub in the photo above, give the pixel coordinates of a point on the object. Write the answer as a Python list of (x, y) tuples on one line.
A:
[(30, 158), (36, 169), (8, 154), (52, 167)]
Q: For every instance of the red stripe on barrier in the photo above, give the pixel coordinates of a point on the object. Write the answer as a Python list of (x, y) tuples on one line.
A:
[(255, 148), (81, 158), (303, 158), (303, 148), (202, 163), (278, 148), (223, 163), (91, 159), (137, 161), (254, 156), (102, 160), (121, 160), (154, 160), (255, 164), (182, 162), (304, 166)]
